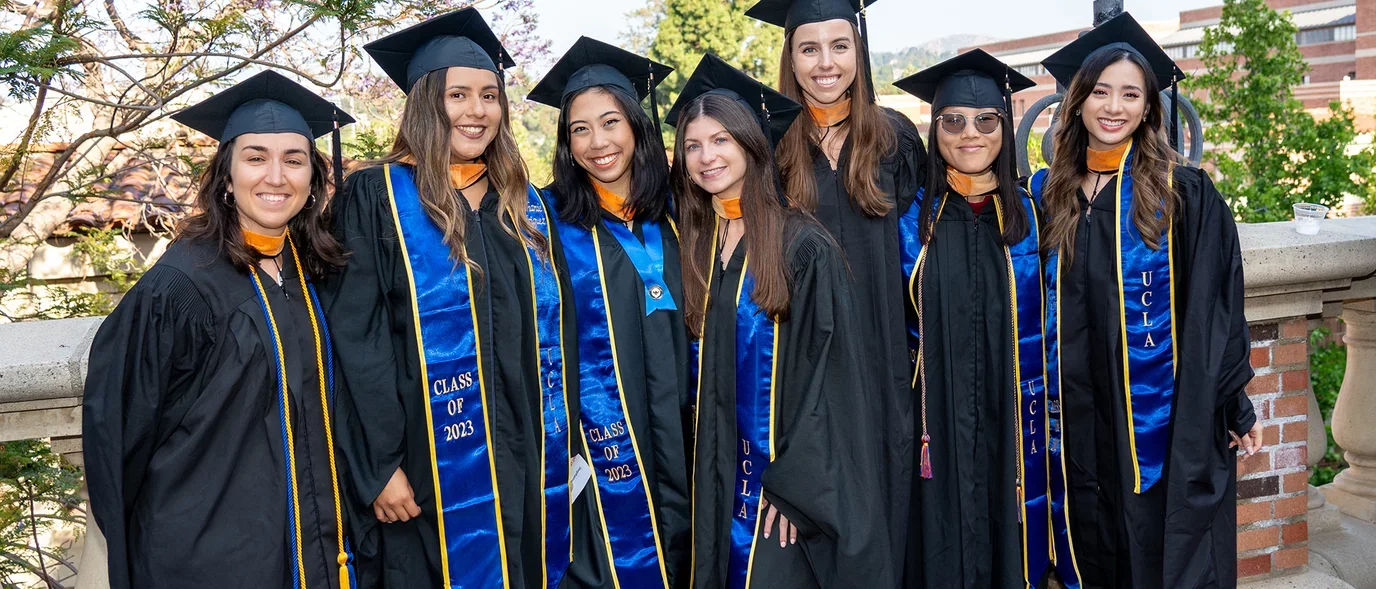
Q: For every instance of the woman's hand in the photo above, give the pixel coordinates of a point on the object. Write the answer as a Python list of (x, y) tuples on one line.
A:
[(396, 502), (788, 533), (1250, 442)]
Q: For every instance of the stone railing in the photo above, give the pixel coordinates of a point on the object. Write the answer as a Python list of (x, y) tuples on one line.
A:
[(1292, 281)]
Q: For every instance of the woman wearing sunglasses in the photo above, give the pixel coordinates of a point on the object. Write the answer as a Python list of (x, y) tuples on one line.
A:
[(1148, 342), (970, 260)]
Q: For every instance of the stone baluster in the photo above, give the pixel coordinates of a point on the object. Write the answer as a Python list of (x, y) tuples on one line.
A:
[(1354, 416)]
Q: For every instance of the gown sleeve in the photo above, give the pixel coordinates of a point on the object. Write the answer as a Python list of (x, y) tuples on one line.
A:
[(144, 353), (825, 474), (371, 414), (1236, 368), (909, 161)]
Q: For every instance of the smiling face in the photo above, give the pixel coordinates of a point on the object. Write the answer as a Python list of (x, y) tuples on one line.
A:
[(824, 60), (1116, 106), (969, 151), (270, 175), (601, 139), (472, 101), (716, 163)]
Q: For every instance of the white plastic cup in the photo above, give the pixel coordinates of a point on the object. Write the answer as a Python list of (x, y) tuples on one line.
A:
[(1307, 217)]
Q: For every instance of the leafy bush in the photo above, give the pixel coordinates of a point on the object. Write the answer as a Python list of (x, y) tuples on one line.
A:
[(1326, 365)]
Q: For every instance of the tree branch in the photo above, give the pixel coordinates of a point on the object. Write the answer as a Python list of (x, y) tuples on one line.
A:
[(23, 147), (130, 39)]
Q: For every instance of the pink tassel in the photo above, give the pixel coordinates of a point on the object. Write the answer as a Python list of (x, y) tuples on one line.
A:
[(926, 458)]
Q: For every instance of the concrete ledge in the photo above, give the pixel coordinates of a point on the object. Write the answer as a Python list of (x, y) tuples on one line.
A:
[(1310, 579), (45, 359), (1273, 254)]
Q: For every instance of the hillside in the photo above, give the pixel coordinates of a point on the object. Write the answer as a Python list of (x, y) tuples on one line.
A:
[(893, 65)]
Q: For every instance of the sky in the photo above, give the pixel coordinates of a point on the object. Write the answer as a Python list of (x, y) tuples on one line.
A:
[(894, 24)]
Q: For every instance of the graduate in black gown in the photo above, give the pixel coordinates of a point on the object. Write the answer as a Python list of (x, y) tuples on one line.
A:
[(979, 517), (620, 247), (786, 478), (856, 166), (206, 416), (1146, 330), (447, 321)]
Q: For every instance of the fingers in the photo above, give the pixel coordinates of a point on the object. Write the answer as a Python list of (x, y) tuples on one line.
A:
[(792, 534), (783, 531), (1235, 442), (379, 514), (411, 509), (769, 520)]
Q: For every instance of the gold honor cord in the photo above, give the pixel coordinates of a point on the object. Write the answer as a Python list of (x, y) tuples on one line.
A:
[(342, 558), (286, 426)]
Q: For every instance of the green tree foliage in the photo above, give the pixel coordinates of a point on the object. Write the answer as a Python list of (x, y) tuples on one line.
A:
[(689, 28), (37, 492), (1269, 151), (1327, 363)]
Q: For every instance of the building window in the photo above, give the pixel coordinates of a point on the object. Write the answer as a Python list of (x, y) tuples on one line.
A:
[(1183, 51), (1326, 35), (1306, 79), (1031, 71)]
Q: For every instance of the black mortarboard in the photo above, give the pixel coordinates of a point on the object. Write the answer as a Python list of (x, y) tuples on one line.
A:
[(974, 79), (775, 111), (265, 103), (791, 14), (593, 63), (1120, 33), (457, 39)]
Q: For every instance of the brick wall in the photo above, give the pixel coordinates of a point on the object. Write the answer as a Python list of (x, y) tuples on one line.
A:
[(1272, 533)]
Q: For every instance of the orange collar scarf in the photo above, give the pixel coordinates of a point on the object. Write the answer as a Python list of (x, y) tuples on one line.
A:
[(1106, 162), (729, 209), (611, 202), (461, 176), (267, 246), (971, 184), (830, 116)]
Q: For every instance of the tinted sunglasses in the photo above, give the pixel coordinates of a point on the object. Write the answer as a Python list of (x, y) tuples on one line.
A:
[(985, 122)]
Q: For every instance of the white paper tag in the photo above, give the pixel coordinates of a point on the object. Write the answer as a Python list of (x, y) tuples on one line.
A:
[(579, 475)]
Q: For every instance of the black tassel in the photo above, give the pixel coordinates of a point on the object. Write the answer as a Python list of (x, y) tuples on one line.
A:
[(1175, 115), (337, 148), (654, 100), (865, 37)]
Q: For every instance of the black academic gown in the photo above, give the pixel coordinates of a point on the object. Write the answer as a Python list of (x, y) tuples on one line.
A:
[(870, 246), (182, 433), (825, 475), (383, 403), (1181, 532), (964, 531), (652, 355)]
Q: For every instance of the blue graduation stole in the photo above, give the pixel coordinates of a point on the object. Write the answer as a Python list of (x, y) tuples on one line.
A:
[(629, 523), (557, 509), (467, 497), (1031, 409), (1146, 296), (757, 355)]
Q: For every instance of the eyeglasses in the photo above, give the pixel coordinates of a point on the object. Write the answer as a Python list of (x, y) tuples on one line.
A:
[(985, 122)]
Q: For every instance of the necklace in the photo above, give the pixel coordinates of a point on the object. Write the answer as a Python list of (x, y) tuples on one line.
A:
[(1097, 189)]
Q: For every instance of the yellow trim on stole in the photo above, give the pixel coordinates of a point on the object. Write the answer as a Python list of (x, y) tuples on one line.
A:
[(429, 420), (1122, 312), (630, 430), (697, 410), (773, 422)]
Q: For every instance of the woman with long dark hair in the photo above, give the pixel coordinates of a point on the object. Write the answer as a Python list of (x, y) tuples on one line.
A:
[(621, 251), (1147, 343), (448, 323), (207, 411), (973, 266), (856, 166), (787, 461)]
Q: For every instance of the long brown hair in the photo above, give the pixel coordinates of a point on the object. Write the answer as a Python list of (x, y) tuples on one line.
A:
[(423, 137), (218, 217), (870, 136), (1151, 162), (764, 212)]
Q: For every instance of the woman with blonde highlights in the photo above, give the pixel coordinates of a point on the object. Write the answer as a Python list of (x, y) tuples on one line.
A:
[(1147, 341)]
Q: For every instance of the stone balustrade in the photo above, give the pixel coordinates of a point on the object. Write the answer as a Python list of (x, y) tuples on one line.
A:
[(1291, 280)]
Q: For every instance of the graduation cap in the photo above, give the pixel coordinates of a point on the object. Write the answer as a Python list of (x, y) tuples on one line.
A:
[(775, 111), (1120, 33), (457, 39), (268, 103), (791, 14), (974, 79), (593, 63)]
